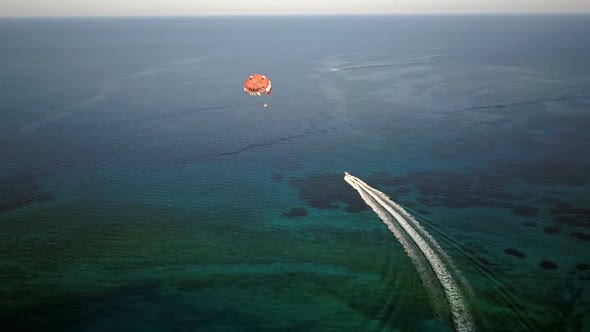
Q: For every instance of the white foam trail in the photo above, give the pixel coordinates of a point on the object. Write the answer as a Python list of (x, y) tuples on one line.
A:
[(429, 237), (423, 270), (411, 219), (461, 316), (417, 61)]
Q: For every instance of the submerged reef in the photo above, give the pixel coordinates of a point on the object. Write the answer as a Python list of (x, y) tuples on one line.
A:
[(514, 252), (277, 178), (457, 190), (580, 236), (567, 214), (296, 213), (548, 265), (327, 191), (524, 211), (551, 230)]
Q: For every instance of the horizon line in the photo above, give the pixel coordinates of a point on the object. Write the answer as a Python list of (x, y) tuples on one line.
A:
[(304, 15)]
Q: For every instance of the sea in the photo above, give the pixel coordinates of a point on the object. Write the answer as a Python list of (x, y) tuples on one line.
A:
[(142, 190)]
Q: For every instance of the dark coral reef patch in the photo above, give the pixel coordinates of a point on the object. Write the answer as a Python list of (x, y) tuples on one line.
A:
[(551, 230), (567, 214), (277, 178), (524, 211), (327, 191), (542, 171), (580, 236), (296, 213), (514, 252), (460, 190), (548, 265)]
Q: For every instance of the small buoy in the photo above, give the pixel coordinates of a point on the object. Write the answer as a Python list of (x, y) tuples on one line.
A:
[(265, 105)]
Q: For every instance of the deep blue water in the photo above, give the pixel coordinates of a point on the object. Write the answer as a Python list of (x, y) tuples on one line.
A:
[(141, 189)]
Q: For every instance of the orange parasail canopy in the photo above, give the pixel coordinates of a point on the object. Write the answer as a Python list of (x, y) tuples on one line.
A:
[(257, 85)]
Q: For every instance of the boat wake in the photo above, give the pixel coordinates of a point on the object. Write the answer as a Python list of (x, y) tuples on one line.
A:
[(418, 61), (408, 230)]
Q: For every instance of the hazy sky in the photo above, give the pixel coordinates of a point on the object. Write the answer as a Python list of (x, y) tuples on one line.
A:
[(268, 7)]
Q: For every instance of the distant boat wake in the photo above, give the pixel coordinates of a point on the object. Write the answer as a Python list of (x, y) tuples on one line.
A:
[(408, 230), (423, 60), (364, 66)]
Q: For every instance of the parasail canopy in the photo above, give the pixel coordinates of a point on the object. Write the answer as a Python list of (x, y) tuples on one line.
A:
[(257, 85)]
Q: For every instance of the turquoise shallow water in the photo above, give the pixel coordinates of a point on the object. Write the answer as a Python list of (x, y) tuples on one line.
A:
[(140, 189)]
